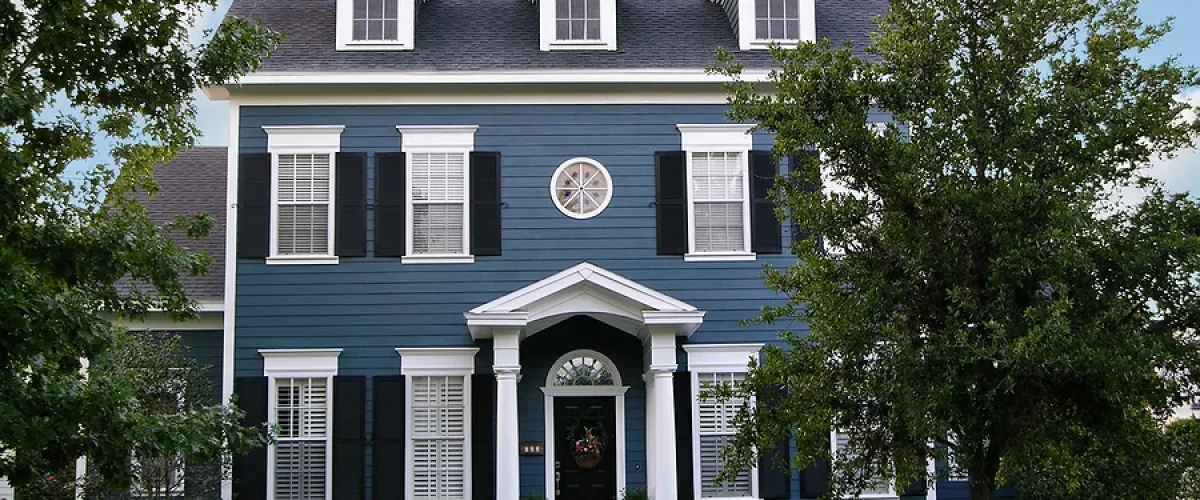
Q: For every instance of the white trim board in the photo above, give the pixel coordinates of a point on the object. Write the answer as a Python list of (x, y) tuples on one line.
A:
[(592, 76), (231, 224), (470, 95)]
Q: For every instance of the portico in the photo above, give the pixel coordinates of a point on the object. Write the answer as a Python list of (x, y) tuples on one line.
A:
[(654, 318)]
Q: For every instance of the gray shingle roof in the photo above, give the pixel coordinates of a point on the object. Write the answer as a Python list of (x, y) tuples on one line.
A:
[(191, 183), (464, 35)]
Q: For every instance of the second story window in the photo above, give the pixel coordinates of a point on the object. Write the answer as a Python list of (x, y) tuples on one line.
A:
[(302, 193), (376, 20), (719, 201), (777, 19), (577, 19), (438, 197)]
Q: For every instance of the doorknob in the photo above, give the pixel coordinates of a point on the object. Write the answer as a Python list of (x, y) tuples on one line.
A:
[(557, 480)]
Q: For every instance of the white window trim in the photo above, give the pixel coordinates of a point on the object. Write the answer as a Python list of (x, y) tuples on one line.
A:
[(717, 138), (603, 172), (717, 358), (549, 33), (301, 140), (405, 31), (893, 495), (300, 363), (437, 139), (748, 32), (437, 362)]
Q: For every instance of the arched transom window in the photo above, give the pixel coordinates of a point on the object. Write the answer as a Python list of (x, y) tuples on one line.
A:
[(583, 369)]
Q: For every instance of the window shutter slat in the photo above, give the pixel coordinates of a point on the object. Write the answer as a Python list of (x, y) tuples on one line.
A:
[(766, 236), (387, 439), (683, 434), (390, 209), (250, 469), (483, 436), (349, 436), (254, 205), (796, 165), (485, 204), (350, 226), (670, 175), (774, 477)]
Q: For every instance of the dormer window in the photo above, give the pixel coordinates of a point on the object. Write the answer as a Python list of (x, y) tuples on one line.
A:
[(759, 23), (578, 24), (376, 24)]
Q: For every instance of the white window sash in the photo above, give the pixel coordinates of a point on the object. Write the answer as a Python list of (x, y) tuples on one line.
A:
[(891, 492), (744, 168), (300, 364), (276, 203), (413, 437), (697, 458), (465, 203)]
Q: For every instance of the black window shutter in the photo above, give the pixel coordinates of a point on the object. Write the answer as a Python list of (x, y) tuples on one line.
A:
[(683, 435), (766, 236), (350, 228), (671, 212), (389, 205), (918, 488), (387, 437), (483, 437), (795, 165), (349, 437), (485, 204), (774, 469), (814, 479), (254, 205), (250, 470)]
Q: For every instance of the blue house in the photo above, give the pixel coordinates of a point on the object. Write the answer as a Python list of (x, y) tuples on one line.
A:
[(483, 249)]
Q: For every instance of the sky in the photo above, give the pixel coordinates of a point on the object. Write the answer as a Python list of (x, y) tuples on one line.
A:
[(1181, 173)]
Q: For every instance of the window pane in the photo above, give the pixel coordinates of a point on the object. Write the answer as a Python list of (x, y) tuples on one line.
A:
[(303, 178), (389, 31), (438, 228), (578, 9), (593, 9), (793, 29), (578, 30), (760, 9), (303, 230), (562, 9), (563, 30), (775, 9), (719, 227), (360, 9), (593, 30), (761, 30), (360, 30), (389, 10), (717, 177), (300, 470), (438, 177)]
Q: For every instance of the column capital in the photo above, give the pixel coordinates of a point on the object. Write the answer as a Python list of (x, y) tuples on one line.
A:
[(663, 370), (512, 370)]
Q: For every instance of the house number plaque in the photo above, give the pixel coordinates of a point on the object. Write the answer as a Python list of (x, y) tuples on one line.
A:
[(533, 449)]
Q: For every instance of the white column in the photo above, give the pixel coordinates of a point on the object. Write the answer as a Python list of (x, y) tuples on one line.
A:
[(662, 367), (651, 432), (507, 366)]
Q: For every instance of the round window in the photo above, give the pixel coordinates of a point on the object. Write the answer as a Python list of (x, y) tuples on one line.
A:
[(581, 188)]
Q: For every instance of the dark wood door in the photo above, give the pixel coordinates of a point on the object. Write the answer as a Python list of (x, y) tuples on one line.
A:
[(572, 417)]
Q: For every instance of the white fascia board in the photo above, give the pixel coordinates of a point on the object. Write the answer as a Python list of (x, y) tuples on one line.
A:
[(437, 138), (721, 358), (298, 139), (434, 361), (721, 137), (300, 362), (699, 75)]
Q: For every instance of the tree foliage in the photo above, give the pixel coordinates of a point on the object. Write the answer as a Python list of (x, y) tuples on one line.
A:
[(75, 74), (978, 292)]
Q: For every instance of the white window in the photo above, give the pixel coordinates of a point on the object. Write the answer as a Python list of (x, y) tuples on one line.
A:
[(581, 188), (376, 24), (160, 476), (439, 437), (718, 191), (438, 418), (302, 193), (299, 465), (578, 24), (439, 170), (840, 445), (760, 23), (777, 20), (712, 366)]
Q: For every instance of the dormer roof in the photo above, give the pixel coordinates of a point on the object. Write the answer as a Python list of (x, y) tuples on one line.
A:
[(473, 35)]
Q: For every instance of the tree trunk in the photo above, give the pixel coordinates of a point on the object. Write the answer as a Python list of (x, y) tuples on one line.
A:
[(980, 491)]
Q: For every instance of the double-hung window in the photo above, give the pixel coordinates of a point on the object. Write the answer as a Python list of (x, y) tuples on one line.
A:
[(438, 415), (718, 191), (160, 476), (713, 366), (302, 192), (840, 446), (439, 170), (300, 408)]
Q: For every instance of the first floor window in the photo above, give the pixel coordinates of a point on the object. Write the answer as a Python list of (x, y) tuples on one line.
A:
[(376, 20), (302, 450), (439, 197), (841, 447), (719, 202), (438, 437), (777, 19), (303, 204), (160, 476), (715, 429)]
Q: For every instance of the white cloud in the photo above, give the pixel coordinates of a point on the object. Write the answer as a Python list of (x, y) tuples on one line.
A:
[(1182, 172)]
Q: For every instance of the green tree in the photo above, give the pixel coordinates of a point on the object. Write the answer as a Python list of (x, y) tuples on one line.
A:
[(126, 71), (980, 293)]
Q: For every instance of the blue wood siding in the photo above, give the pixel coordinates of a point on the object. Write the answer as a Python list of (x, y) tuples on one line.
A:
[(205, 346), (369, 306)]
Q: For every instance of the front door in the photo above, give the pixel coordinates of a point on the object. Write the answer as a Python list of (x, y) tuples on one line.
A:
[(580, 424)]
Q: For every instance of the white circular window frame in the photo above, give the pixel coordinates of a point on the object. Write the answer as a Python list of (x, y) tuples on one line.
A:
[(603, 204)]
